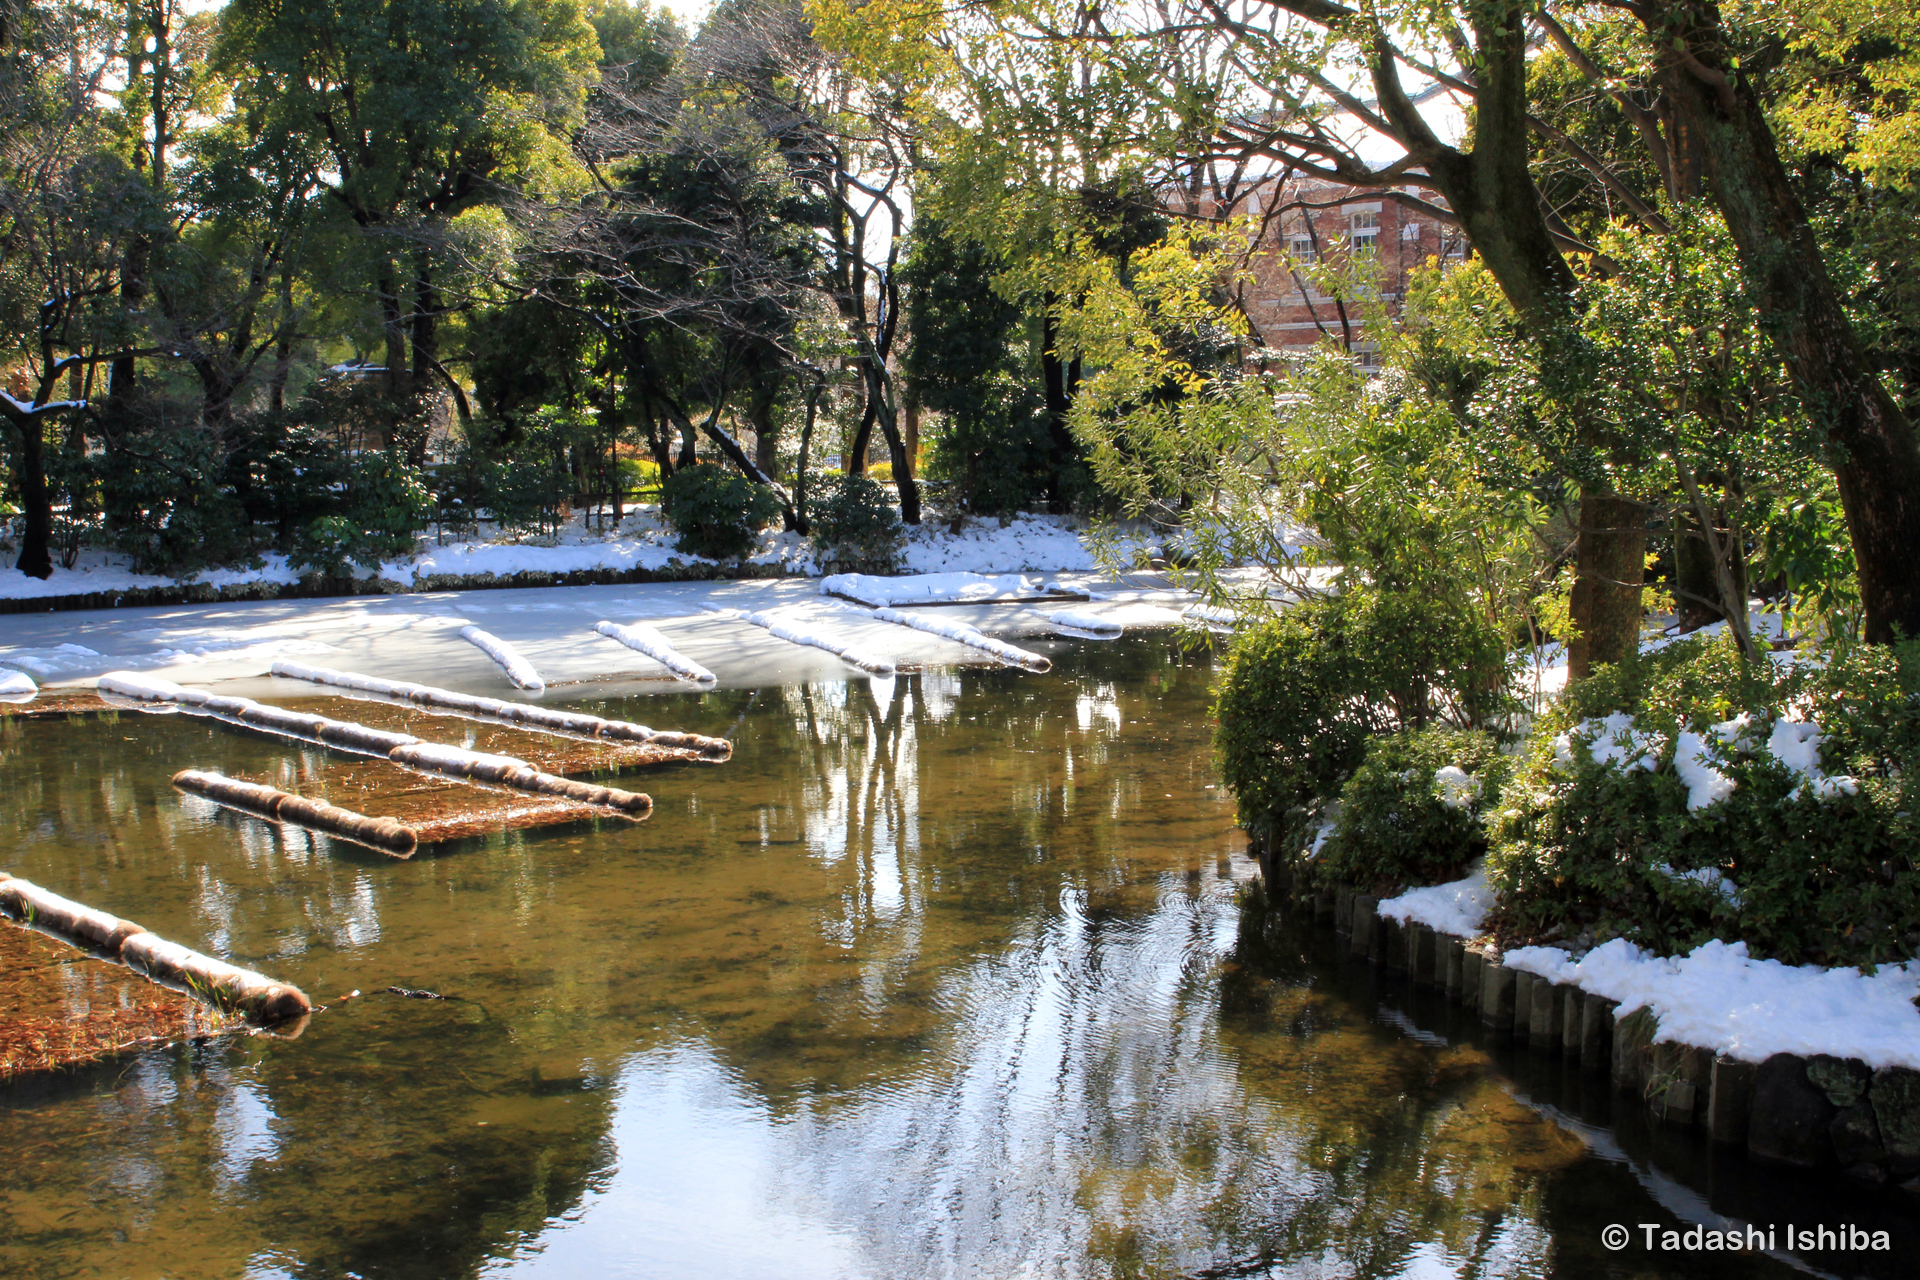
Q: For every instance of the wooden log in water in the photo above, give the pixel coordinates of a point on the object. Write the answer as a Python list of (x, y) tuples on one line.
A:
[(242, 991), (972, 637), (252, 995), (385, 834), (518, 775), (517, 713), (47, 912)]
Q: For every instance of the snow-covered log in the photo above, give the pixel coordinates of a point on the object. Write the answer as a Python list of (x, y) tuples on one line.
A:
[(518, 669), (237, 990), (542, 719), (1210, 615), (16, 686), (870, 663), (385, 834), (1081, 623), (650, 642), (972, 637), (505, 771)]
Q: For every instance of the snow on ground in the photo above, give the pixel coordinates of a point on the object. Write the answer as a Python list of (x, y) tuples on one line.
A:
[(1457, 908), (1721, 999), (1025, 543), (101, 571), (1717, 997)]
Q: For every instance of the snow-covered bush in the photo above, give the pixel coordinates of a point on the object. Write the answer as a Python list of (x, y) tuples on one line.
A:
[(853, 527), (1302, 696), (715, 512), (1687, 795), (1412, 813)]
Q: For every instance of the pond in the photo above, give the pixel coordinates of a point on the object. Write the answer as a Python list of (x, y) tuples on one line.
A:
[(961, 974)]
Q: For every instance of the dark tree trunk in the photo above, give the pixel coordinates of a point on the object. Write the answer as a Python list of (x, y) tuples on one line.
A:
[(863, 437), (36, 542), (1491, 189), (1877, 459), (1696, 576), (1609, 571), (1059, 381)]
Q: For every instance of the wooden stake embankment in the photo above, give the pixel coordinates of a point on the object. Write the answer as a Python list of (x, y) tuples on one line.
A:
[(385, 834), (972, 637), (542, 719), (254, 996)]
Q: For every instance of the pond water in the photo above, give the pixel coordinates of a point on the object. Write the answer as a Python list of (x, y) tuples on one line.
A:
[(960, 975)]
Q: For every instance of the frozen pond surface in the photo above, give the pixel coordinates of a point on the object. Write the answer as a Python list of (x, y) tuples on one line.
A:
[(939, 976)]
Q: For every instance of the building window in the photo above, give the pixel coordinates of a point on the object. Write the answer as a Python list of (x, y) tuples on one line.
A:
[(1365, 231), (1367, 358), (1303, 250)]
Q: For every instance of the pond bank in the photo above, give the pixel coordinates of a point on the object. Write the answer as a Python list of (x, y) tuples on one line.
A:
[(1815, 1111)]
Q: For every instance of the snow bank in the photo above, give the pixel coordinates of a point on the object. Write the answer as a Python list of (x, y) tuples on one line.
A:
[(847, 653), (973, 637), (1028, 543), (656, 646), (518, 669), (1081, 623), (1456, 908), (1719, 998), (934, 588)]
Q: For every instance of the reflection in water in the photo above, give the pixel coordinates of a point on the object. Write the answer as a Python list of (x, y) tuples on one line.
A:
[(942, 976)]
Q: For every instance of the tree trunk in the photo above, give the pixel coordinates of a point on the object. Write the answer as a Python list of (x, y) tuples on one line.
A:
[(1878, 462), (1059, 381), (36, 505), (1609, 571), (1492, 191)]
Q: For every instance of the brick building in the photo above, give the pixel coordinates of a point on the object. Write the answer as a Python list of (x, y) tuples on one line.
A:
[(1309, 226)]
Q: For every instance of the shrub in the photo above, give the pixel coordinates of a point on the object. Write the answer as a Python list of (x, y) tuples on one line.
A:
[(384, 508), (1412, 813), (166, 499), (715, 512), (1664, 801), (1304, 694), (853, 526)]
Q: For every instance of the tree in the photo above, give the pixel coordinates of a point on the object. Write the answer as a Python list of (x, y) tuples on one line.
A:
[(421, 110)]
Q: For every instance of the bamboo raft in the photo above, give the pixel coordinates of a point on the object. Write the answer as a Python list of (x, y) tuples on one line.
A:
[(253, 996)]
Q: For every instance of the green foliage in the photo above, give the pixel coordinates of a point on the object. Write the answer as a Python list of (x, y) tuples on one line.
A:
[(1402, 822), (166, 500), (384, 508), (716, 512), (967, 363), (854, 527), (1586, 850), (1303, 695)]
